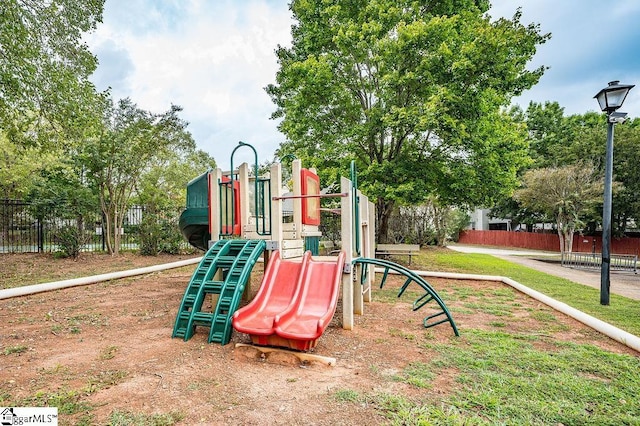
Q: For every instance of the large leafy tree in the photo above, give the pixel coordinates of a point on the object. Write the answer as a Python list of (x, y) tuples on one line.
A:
[(130, 143), (556, 140), (564, 194), (413, 91), (550, 134), (626, 202), (163, 187), (44, 64)]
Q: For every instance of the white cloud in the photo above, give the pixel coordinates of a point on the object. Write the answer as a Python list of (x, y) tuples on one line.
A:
[(213, 60)]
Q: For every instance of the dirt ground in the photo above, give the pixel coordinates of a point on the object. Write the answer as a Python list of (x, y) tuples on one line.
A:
[(109, 346)]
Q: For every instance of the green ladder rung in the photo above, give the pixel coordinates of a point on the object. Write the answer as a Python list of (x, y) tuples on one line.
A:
[(216, 337), (417, 305), (426, 320), (202, 319), (220, 320), (212, 287), (184, 315)]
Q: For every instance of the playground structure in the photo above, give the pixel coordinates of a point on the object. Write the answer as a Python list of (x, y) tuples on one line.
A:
[(237, 216)]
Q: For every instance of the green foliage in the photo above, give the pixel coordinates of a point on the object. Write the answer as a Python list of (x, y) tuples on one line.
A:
[(427, 224), (45, 65), (412, 94), (558, 141), (15, 349), (627, 173), (346, 395), (505, 377), (128, 143), (417, 374), (17, 165), (163, 186), (159, 234), (70, 240), (68, 401), (562, 193)]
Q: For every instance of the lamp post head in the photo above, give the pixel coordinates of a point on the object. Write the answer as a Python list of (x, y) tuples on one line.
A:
[(612, 97)]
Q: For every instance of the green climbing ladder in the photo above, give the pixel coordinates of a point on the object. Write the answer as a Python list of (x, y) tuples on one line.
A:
[(441, 316), (223, 271)]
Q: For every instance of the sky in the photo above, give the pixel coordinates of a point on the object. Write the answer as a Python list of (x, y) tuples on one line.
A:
[(214, 58)]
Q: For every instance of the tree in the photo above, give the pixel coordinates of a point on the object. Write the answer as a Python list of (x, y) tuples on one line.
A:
[(626, 202), (427, 223), (562, 193), (550, 134), (162, 191), (17, 166), (59, 192), (129, 143), (413, 90), (555, 140), (44, 64)]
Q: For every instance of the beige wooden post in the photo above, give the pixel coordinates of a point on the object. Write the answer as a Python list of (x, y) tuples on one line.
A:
[(245, 200), (276, 205), (214, 204), (365, 244), (296, 168), (347, 247), (371, 249)]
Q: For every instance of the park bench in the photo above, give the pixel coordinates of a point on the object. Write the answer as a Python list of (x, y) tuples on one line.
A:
[(386, 250)]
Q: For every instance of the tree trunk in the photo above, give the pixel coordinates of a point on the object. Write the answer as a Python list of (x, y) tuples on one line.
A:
[(118, 221), (568, 239), (561, 238), (565, 234), (440, 223), (384, 209)]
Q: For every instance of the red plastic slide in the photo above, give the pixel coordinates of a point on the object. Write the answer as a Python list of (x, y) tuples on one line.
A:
[(309, 315), (295, 303), (278, 289)]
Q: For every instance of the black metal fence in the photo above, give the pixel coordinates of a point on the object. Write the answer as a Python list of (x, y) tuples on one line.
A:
[(22, 231)]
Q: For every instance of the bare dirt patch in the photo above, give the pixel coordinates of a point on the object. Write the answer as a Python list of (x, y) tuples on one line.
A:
[(108, 346), (33, 268)]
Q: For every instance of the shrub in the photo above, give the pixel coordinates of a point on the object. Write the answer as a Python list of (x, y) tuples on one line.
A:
[(159, 235), (70, 239)]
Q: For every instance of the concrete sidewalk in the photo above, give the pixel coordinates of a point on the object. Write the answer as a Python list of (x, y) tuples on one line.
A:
[(622, 283)]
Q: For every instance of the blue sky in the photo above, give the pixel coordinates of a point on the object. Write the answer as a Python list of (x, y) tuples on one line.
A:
[(215, 58)]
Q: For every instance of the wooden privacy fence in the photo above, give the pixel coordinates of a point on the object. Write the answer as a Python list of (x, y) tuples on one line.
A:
[(547, 241)]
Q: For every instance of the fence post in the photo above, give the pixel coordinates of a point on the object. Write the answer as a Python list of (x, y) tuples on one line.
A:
[(40, 235)]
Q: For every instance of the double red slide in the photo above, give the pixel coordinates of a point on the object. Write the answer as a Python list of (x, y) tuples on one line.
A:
[(295, 302)]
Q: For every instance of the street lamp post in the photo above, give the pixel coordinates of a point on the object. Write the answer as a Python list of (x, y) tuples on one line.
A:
[(610, 99)]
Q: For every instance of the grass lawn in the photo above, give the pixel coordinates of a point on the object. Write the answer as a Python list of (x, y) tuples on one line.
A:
[(511, 378), (623, 312)]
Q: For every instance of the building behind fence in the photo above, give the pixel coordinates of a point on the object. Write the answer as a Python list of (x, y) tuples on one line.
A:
[(21, 231)]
